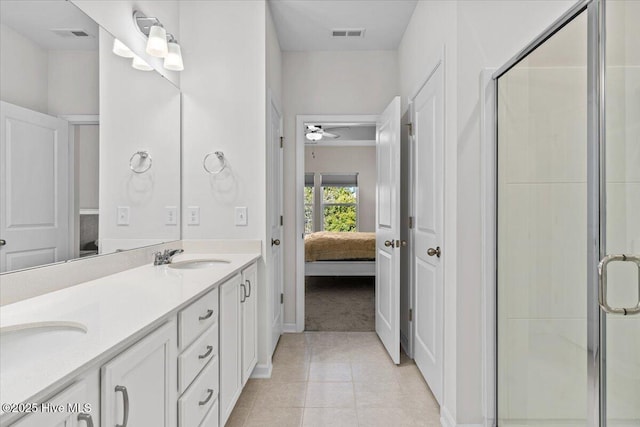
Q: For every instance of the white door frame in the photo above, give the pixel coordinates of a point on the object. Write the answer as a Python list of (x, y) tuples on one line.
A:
[(74, 195), (299, 198)]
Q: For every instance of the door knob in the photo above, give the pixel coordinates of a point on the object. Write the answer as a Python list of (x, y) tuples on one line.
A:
[(3, 242), (436, 251), (275, 242), (389, 243)]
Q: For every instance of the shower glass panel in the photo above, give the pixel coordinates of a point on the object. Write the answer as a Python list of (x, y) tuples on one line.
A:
[(542, 234), (621, 365)]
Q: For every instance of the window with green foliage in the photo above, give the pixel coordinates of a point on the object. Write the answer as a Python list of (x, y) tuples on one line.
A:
[(308, 208), (340, 208)]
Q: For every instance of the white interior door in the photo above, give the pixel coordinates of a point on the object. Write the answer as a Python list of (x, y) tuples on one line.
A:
[(388, 229), (34, 188), (275, 198), (427, 122)]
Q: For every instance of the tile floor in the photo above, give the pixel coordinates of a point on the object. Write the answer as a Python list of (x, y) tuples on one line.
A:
[(336, 379)]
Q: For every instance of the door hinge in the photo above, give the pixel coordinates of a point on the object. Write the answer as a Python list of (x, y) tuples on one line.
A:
[(411, 315), (281, 298), (281, 141), (281, 220), (410, 126), (410, 222)]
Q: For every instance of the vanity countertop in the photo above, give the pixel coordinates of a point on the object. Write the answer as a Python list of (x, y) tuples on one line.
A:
[(117, 310)]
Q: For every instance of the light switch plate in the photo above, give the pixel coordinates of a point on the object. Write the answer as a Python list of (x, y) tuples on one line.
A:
[(171, 215), (241, 215), (193, 215), (123, 215)]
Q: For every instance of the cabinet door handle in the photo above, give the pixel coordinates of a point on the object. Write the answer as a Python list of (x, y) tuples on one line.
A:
[(209, 350), (125, 404), (204, 402), (86, 418), (249, 283), (243, 297), (206, 316)]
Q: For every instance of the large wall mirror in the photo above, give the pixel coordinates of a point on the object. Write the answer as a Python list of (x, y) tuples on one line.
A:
[(90, 146)]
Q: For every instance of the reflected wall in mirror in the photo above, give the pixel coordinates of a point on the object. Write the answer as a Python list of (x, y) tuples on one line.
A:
[(66, 143)]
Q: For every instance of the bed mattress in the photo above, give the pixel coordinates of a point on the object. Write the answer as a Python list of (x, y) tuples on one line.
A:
[(332, 246)]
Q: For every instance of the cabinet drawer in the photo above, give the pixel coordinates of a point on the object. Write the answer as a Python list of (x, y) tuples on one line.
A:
[(194, 319), (211, 419), (200, 397), (196, 356)]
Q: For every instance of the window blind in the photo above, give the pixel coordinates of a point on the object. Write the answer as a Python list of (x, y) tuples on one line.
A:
[(339, 179)]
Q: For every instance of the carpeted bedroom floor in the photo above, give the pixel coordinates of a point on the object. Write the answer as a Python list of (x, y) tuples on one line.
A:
[(340, 304)]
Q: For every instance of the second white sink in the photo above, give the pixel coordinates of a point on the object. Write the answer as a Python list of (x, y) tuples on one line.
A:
[(194, 264)]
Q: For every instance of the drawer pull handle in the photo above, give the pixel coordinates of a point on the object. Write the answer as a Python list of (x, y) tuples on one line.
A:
[(249, 283), (206, 316), (204, 402), (125, 402), (86, 418), (243, 297), (209, 350)]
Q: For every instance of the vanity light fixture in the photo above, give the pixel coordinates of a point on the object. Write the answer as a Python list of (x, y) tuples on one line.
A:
[(140, 64), (157, 43), (160, 43), (121, 49), (173, 60)]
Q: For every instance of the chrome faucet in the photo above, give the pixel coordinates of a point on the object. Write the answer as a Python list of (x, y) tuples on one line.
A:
[(162, 258)]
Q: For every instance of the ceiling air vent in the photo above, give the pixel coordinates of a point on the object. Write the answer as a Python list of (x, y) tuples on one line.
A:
[(348, 32), (70, 32)]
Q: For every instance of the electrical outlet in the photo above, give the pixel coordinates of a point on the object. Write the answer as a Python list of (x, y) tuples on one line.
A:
[(171, 215), (193, 215), (123, 215), (241, 215)]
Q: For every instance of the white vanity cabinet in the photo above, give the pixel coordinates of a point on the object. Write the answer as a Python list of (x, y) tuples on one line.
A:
[(75, 406), (238, 336), (139, 385), (249, 310), (198, 364)]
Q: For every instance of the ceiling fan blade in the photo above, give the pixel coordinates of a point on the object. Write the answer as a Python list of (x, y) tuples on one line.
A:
[(330, 135)]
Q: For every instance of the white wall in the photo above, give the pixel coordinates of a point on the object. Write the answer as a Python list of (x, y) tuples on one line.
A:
[(23, 71), (349, 160), (117, 18), (73, 82), (139, 110), (274, 59), (87, 138), (476, 34), (361, 82)]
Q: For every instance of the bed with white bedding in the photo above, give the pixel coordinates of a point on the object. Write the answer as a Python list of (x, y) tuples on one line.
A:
[(340, 254)]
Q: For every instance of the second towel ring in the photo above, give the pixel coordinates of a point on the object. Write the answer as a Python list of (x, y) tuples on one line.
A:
[(143, 156), (221, 159)]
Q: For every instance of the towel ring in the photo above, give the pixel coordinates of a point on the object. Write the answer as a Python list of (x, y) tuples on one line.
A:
[(144, 155), (221, 159)]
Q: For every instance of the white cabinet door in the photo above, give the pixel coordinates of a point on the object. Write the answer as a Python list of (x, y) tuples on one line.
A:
[(230, 346), (72, 407), (139, 386), (249, 309)]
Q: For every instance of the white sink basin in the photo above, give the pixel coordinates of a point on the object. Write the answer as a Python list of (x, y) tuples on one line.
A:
[(24, 329), (194, 264)]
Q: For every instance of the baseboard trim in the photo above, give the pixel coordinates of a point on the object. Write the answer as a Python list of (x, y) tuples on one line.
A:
[(289, 328), (262, 371)]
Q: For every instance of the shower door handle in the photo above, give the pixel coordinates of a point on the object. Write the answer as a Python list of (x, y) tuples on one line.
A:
[(602, 284)]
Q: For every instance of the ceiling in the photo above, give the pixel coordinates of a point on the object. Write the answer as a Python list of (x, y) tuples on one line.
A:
[(304, 25), (34, 19)]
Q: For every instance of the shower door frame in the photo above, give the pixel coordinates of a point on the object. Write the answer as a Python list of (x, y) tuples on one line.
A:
[(596, 201)]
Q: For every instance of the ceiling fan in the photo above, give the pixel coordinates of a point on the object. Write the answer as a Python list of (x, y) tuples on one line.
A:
[(316, 133)]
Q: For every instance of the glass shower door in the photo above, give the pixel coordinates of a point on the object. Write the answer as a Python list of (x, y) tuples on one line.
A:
[(620, 364)]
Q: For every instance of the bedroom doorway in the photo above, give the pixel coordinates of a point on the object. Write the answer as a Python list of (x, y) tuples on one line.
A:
[(347, 218), (338, 262)]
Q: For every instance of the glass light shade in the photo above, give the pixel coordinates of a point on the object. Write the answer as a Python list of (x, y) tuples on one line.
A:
[(121, 49), (157, 43), (140, 64), (173, 60), (314, 136)]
